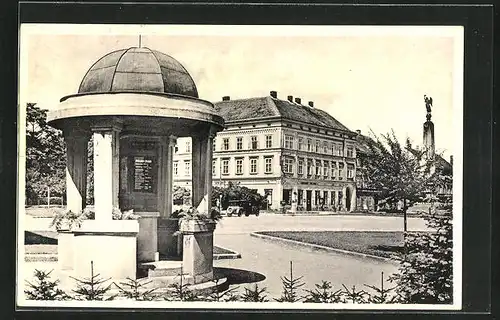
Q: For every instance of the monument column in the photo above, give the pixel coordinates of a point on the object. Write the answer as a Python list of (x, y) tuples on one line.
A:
[(76, 170), (169, 175), (106, 170)]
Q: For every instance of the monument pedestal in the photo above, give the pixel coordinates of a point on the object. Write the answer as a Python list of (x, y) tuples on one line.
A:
[(147, 239), (197, 258), (168, 241)]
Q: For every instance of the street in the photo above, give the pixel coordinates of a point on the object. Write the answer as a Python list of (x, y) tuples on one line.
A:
[(272, 259)]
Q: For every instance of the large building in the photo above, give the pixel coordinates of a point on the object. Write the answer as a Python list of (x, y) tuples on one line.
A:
[(297, 155)]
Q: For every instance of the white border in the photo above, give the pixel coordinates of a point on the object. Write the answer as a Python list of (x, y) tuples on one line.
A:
[(457, 32)]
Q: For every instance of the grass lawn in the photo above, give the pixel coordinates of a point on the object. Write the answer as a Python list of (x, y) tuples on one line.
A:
[(377, 243), (44, 211)]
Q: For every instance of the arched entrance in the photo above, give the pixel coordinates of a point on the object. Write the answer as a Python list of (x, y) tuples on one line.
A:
[(348, 199)]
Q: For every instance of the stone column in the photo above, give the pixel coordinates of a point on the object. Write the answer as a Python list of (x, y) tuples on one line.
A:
[(76, 171), (106, 170), (202, 171), (166, 227)]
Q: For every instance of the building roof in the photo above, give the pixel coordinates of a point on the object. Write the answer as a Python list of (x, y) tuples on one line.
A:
[(265, 107), (138, 69)]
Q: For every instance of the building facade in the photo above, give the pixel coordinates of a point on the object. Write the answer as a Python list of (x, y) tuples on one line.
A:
[(299, 156)]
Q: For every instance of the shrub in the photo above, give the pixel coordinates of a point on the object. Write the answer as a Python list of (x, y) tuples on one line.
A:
[(323, 293), (426, 274), (134, 289), (290, 287), (43, 288), (91, 289), (255, 294)]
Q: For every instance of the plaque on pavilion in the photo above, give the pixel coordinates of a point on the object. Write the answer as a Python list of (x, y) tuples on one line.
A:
[(143, 174)]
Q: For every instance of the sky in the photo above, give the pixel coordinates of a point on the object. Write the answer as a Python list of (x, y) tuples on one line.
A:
[(367, 78)]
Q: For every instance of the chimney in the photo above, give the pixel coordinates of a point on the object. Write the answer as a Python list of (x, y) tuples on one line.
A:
[(290, 98), (297, 100), (311, 104), (226, 98), (274, 94), (358, 131)]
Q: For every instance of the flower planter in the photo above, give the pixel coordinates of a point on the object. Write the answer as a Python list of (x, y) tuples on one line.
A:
[(197, 257), (111, 245), (196, 225), (65, 240)]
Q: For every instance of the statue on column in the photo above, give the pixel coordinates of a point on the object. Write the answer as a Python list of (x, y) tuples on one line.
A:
[(428, 106)]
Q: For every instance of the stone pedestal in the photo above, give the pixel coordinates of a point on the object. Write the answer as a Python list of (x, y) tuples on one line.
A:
[(111, 246), (65, 239), (147, 240), (197, 258), (167, 240)]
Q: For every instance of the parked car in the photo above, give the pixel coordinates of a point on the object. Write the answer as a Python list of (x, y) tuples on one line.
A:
[(239, 207)]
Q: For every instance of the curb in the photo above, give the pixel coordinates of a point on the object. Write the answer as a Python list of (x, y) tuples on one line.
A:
[(222, 256), (320, 247)]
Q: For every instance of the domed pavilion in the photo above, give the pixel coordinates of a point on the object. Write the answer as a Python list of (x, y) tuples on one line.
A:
[(134, 103)]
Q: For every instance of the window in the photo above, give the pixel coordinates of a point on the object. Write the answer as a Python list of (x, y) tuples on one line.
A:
[(325, 197), (350, 152), (309, 145), (213, 167), (338, 150), (176, 168), (225, 166), (288, 142), (332, 198), (239, 166), (325, 169), (225, 144), (318, 167), (301, 144), (333, 169), (288, 165), (239, 143), (301, 167), (317, 146), (253, 165), (350, 171), (341, 171), (214, 145), (269, 164), (187, 167), (309, 168), (254, 143), (325, 147), (188, 146), (332, 147), (269, 141)]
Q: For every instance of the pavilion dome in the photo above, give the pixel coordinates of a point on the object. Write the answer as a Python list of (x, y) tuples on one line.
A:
[(138, 70)]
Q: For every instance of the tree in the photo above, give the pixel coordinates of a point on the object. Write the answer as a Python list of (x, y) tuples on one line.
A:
[(45, 156), (426, 275), (237, 192), (401, 173), (181, 195)]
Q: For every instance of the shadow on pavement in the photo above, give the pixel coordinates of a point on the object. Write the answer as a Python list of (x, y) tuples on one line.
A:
[(239, 276), (39, 237)]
